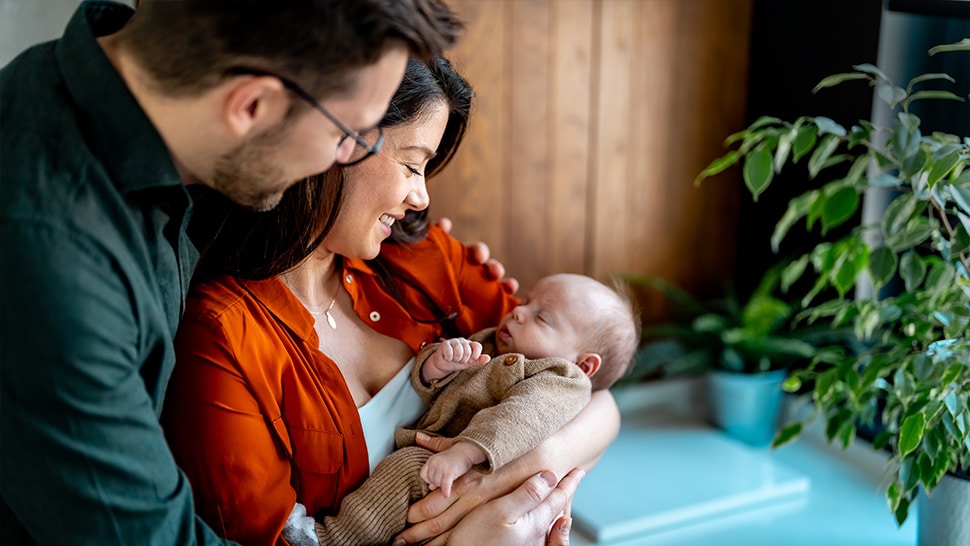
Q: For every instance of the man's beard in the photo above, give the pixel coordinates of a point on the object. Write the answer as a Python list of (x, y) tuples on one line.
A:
[(245, 175)]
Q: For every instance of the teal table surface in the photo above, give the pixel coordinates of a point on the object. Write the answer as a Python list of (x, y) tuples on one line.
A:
[(671, 479)]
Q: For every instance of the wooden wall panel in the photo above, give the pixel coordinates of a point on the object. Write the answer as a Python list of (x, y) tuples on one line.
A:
[(570, 132), (524, 211), (592, 120), (471, 190)]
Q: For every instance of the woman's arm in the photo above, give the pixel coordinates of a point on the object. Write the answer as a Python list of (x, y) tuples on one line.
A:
[(578, 444)]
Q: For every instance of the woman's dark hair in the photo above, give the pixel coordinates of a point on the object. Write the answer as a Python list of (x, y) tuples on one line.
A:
[(259, 245)]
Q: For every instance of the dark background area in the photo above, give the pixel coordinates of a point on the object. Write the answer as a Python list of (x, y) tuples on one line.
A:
[(794, 45)]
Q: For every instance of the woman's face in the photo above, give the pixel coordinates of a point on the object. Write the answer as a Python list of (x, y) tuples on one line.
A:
[(380, 190)]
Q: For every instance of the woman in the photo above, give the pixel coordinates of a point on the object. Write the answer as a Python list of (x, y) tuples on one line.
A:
[(276, 359)]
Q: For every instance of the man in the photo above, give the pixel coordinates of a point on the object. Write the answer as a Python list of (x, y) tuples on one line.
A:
[(102, 131)]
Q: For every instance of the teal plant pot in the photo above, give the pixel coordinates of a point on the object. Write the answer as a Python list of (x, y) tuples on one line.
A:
[(944, 516), (746, 406)]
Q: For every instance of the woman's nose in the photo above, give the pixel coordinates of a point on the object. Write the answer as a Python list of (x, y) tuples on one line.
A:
[(418, 198)]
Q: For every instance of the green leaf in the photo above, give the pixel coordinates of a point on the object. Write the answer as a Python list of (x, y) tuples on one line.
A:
[(821, 154), (836, 79), (882, 440), (839, 207), (709, 322), (917, 231), (933, 94), (951, 402), (890, 94), (804, 141), (718, 165), (962, 45), (902, 511), (908, 472), (905, 137), (943, 162), (884, 180), (828, 126), (846, 433), (847, 268), (858, 169), (763, 121), (784, 148), (960, 242), (758, 171), (824, 384), (858, 135), (792, 272), (787, 434), (870, 69), (797, 208), (964, 220), (882, 265), (911, 433), (791, 384), (915, 162), (893, 497), (961, 196), (912, 268), (928, 77)]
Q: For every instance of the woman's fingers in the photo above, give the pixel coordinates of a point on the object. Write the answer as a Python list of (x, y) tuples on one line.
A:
[(435, 444)]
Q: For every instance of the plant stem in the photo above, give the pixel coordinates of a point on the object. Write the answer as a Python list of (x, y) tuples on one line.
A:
[(950, 232)]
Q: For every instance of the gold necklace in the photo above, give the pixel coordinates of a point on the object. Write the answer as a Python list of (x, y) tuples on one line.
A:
[(326, 312)]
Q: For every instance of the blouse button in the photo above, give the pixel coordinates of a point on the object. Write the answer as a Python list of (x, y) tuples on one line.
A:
[(349, 278), (511, 359), (375, 316)]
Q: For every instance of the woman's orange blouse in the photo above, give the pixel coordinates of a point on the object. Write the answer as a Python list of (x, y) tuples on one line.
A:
[(259, 418)]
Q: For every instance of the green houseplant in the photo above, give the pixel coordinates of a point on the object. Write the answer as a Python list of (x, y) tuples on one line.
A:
[(744, 345), (908, 374), (731, 333)]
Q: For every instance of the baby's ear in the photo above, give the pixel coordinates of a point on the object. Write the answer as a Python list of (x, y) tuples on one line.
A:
[(589, 363)]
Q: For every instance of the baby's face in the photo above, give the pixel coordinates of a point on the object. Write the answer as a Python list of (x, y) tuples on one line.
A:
[(551, 319)]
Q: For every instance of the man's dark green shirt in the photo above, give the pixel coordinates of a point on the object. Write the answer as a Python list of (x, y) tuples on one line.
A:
[(94, 270)]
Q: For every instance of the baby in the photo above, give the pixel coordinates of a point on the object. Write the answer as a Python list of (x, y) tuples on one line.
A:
[(570, 335)]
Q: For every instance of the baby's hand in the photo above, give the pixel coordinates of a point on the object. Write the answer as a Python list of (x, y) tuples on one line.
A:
[(442, 469), (453, 355)]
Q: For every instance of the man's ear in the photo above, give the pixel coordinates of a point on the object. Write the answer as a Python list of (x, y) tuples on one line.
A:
[(589, 363), (254, 103)]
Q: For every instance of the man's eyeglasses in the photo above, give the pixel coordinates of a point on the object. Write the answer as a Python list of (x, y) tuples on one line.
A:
[(364, 145)]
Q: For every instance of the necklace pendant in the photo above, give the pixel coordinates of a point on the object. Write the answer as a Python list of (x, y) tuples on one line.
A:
[(330, 321)]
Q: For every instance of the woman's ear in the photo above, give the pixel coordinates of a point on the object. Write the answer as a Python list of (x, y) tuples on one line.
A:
[(253, 104), (589, 363)]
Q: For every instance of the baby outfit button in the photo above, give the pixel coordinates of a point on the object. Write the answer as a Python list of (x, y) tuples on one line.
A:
[(511, 359), (375, 316)]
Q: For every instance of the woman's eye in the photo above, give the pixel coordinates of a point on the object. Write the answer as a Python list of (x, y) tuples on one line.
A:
[(414, 171)]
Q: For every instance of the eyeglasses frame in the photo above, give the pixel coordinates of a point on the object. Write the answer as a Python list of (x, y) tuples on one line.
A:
[(309, 99)]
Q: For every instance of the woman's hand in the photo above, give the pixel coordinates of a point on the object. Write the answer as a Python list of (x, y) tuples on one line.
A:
[(535, 513)]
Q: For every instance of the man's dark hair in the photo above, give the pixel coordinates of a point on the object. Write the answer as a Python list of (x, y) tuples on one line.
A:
[(188, 46)]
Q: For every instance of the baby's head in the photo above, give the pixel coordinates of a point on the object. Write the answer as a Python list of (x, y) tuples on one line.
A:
[(577, 318)]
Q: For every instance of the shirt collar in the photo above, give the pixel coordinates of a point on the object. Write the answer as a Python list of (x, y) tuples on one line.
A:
[(280, 301), (127, 142)]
